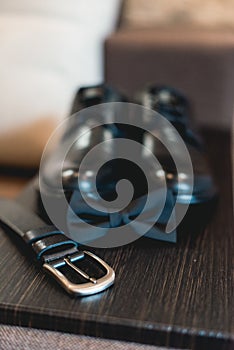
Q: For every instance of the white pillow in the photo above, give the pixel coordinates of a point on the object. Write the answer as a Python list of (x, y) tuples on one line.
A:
[(48, 49)]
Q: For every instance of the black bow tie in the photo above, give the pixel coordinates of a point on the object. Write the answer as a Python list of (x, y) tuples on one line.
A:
[(87, 224)]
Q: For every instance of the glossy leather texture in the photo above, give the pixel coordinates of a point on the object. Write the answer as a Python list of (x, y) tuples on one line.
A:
[(109, 174), (171, 104)]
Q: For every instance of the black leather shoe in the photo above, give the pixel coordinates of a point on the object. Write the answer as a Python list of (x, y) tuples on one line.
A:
[(94, 95), (59, 175), (85, 97), (171, 104), (52, 174)]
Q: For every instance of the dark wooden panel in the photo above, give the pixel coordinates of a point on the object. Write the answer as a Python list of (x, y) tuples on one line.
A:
[(175, 295)]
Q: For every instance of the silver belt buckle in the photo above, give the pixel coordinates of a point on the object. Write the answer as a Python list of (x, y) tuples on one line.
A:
[(82, 289)]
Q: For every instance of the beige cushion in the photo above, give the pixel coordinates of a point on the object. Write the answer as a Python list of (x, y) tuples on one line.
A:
[(208, 13)]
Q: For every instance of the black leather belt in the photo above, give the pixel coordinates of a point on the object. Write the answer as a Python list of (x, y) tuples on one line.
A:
[(53, 249)]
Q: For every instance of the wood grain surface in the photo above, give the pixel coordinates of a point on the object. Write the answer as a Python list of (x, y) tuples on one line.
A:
[(170, 295)]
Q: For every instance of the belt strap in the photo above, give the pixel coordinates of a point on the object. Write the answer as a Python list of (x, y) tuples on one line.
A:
[(53, 249)]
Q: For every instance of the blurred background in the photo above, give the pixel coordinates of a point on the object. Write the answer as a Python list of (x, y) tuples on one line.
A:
[(48, 49)]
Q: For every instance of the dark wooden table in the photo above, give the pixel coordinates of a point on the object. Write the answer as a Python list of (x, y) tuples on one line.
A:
[(171, 295)]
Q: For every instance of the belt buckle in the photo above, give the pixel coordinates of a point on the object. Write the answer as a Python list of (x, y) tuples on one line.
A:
[(82, 289)]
